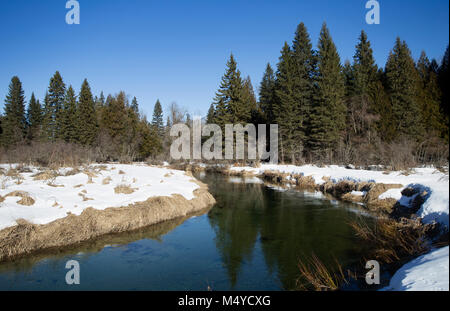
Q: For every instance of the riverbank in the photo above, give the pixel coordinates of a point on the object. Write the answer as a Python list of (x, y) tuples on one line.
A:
[(418, 198), (44, 209)]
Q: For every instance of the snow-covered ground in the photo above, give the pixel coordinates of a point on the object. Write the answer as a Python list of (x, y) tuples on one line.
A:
[(425, 273), (74, 193), (436, 183)]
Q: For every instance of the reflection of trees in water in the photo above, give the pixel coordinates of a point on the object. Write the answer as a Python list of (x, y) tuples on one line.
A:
[(236, 228), (286, 230)]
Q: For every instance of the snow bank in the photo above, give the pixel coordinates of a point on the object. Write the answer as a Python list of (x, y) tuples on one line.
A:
[(74, 193), (425, 273), (435, 208)]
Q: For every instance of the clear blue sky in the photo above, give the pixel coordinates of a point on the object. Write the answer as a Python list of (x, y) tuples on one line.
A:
[(176, 50)]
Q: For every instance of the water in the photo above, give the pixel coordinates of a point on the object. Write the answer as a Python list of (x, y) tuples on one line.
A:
[(252, 239)]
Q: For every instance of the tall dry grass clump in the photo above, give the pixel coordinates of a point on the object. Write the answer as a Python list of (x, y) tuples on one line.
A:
[(390, 240), (317, 276)]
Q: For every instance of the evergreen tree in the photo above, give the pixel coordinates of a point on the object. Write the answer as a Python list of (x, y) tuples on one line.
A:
[(55, 101), (443, 78), (14, 121), (361, 83), (286, 107), (229, 102), (304, 62), (210, 115), (249, 99), (34, 118), (157, 120), (134, 105), (87, 121), (402, 79), (429, 97), (69, 122), (267, 94), (364, 67), (329, 110)]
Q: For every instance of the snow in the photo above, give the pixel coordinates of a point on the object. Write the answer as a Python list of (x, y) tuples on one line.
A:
[(426, 273), (358, 193), (436, 183), (52, 203)]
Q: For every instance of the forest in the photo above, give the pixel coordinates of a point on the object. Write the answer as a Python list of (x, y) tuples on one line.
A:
[(328, 111)]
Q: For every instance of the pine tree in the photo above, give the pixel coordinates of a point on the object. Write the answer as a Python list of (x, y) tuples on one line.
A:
[(69, 122), (55, 101), (210, 115), (361, 84), (429, 97), (443, 78), (286, 108), (157, 120), (34, 118), (229, 102), (135, 105), (304, 61), (329, 111), (364, 66), (14, 121), (402, 78), (267, 94), (87, 121), (249, 99)]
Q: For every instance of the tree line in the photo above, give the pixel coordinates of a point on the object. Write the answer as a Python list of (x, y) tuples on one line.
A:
[(334, 112), (113, 125)]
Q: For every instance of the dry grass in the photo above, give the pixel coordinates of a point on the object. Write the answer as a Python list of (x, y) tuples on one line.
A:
[(83, 195), (25, 200), (390, 240), (106, 181), (78, 186), (121, 172), (315, 275), (27, 238), (45, 175), (51, 184), (125, 189)]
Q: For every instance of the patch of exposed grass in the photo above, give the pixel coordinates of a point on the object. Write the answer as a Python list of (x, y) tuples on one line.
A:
[(106, 181), (125, 189), (121, 172), (25, 197), (391, 240)]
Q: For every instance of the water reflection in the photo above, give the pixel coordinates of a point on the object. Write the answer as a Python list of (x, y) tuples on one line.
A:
[(251, 239)]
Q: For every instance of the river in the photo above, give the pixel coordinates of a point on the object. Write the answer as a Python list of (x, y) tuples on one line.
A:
[(252, 239)]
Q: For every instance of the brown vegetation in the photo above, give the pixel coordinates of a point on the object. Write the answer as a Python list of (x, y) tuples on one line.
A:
[(26, 238)]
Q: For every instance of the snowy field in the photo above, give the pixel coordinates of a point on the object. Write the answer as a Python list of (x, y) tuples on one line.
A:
[(426, 273), (99, 187)]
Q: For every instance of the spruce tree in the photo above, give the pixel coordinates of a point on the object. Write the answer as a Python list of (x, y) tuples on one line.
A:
[(14, 120), (429, 97), (135, 105), (402, 79), (443, 78), (55, 102), (229, 102), (210, 115), (304, 62), (157, 120), (69, 122), (267, 94), (329, 111), (34, 118), (286, 107), (87, 121)]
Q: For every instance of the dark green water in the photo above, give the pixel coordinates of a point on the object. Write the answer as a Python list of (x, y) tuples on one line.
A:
[(252, 239)]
